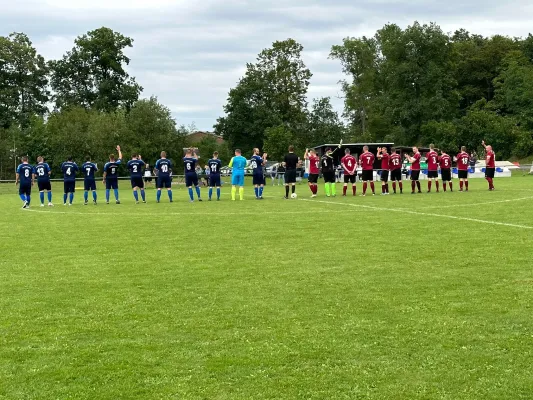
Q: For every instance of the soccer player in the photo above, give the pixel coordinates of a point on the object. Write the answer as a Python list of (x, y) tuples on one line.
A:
[(490, 165), (89, 183), (111, 175), (290, 162), (395, 165), (135, 166), (42, 172), (349, 164), (445, 162), (367, 163), (384, 156), (314, 170), (163, 171), (25, 176), (191, 177), (257, 162), (237, 164), (214, 166), (433, 167), (415, 169), (328, 171), (69, 169), (463, 161)]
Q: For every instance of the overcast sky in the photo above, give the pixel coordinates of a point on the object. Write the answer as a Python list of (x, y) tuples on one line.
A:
[(190, 53)]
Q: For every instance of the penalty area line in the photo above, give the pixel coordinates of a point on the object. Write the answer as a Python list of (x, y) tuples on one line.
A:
[(405, 211)]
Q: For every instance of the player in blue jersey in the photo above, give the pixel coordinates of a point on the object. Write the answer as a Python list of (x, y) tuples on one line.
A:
[(42, 173), (135, 166), (191, 177), (214, 166), (89, 182), (238, 164), (111, 175), (163, 170), (25, 177), (257, 163), (69, 169)]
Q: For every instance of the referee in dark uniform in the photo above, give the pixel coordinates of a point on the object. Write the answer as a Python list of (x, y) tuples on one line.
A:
[(290, 163)]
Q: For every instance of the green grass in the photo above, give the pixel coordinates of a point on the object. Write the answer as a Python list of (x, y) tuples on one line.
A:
[(270, 300)]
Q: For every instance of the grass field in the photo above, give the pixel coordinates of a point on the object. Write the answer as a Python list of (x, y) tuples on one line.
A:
[(398, 297)]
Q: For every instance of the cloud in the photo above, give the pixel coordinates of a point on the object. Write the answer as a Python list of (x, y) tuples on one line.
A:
[(189, 54)]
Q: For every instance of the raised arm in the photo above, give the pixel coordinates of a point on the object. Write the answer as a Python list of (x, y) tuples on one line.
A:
[(119, 153)]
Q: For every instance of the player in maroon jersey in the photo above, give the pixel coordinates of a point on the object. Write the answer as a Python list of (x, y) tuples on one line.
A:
[(490, 165), (349, 164), (385, 158), (445, 163), (314, 170), (367, 163), (395, 166), (432, 158), (463, 161), (415, 169)]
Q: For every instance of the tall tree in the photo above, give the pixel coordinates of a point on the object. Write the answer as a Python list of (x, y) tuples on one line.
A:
[(324, 124), (93, 75)]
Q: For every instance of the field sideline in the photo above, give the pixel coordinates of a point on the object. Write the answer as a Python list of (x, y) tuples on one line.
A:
[(425, 296)]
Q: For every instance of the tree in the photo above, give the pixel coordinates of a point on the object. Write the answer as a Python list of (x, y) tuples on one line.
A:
[(324, 124), (23, 81), (271, 93), (92, 74), (277, 142)]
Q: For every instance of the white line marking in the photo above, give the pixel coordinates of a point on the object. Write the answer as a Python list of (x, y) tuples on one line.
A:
[(424, 214), (474, 204)]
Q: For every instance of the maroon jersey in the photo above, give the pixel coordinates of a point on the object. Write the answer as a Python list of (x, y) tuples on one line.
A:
[(445, 161), (463, 159), (415, 166), (395, 162), (367, 161), (314, 165), (490, 159), (432, 160), (348, 163), (385, 158)]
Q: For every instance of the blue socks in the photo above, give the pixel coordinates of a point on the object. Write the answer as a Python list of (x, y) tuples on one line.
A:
[(142, 195), (116, 194), (198, 191), (86, 196), (136, 195), (22, 197), (49, 197), (218, 193), (71, 197), (158, 195), (169, 195), (64, 198), (191, 195), (41, 195), (256, 190), (28, 199), (94, 196), (107, 195), (210, 193), (261, 191)]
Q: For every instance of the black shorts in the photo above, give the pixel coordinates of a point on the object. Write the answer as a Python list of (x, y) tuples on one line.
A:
[(368, 175), (384, 176), (214, 180), (25, 188), (137, 182), (191, 179), (396, 175), (349, 178), (462, 174), (312, 178), (415, 175), (89, 184), (69, 186), (446, 175), (258, 179), (290, 176), (329, 176), (111, 184), (45, 185), (148, 179), (164, 182), (433, 174), (489, 172)]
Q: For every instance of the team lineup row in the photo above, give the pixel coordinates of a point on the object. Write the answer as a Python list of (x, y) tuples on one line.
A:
[(391, 164)]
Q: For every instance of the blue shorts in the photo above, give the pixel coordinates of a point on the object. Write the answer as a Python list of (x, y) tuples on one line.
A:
[(237, 179), (191, 179), (89, 184), (163, 182), (111, 184), (214, 180), (259, 179)]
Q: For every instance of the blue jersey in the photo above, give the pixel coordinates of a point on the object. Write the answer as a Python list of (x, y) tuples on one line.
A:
[(88, 169), (189, 165), (42, 170), (111, 169), (257, 164), (135, 167), (214, 166), (238, 163), (69, 169), (25, 172), (164, 168)]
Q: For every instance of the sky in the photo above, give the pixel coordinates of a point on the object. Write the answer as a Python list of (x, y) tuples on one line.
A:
[(190, 53)]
